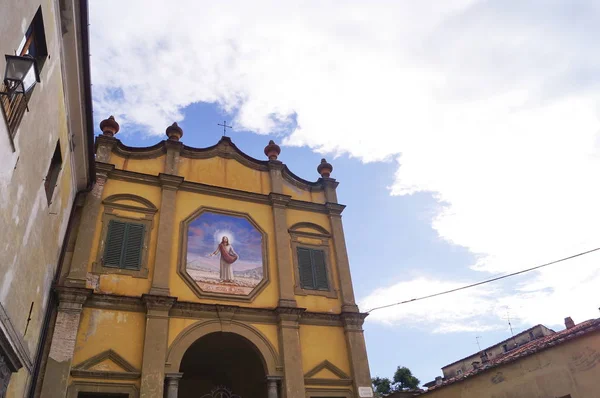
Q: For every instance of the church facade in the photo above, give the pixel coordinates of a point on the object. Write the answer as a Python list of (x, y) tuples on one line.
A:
[(203, 272)]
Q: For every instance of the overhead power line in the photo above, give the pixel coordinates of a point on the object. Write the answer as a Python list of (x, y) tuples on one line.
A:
[(497, 278)]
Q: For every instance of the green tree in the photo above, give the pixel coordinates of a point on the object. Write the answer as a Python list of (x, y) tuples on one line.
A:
[(404, 380), (382, 386)]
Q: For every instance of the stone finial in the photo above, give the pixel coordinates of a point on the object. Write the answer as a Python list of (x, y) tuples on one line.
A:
[(174, 132), (272, 150), (109, 126), (324, 168)]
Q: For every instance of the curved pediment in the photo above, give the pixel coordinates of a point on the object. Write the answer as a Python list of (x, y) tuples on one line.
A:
[(309, 228), (131, 202), (224, 149)]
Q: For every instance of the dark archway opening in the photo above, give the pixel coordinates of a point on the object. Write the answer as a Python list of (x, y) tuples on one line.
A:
[(222, 359)]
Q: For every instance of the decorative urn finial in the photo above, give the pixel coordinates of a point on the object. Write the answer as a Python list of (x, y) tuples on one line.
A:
[(324, 168), (272, 150), (174, 132), (109, 126)]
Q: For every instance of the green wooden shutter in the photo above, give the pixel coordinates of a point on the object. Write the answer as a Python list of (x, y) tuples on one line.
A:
[(305, 269), (133, 246), (320, 270), (113, 247)]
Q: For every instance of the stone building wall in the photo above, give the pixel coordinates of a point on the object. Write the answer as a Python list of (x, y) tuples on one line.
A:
[(32, 225)]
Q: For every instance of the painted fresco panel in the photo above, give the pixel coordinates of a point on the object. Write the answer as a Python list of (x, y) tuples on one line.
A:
[(224, 253)]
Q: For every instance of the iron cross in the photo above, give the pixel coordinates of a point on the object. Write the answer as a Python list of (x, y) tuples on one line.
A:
[(225, 126)]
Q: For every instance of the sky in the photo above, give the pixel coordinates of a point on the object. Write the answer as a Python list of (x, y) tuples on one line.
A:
[(465, 136)]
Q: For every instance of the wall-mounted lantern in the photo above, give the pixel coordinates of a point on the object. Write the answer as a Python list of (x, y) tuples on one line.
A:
[(21, 74)]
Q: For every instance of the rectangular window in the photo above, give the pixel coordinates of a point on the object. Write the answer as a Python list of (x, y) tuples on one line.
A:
[(32, 44), (124, 245), (34, 41), (312, 269), (53, 172)]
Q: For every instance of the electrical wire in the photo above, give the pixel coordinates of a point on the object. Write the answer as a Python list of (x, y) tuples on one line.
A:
[(497, 278)]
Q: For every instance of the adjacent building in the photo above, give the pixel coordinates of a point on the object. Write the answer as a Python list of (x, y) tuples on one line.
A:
[(204, 272), (467, 364), (46, 160), (564, 364)]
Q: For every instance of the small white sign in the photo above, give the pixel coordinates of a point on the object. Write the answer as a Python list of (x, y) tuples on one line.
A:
[(366, 392)]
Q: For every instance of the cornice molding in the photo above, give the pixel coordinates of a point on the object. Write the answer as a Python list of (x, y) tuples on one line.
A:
[(334, 208), (225, 148), (158, 303), (169, 181), (193, 310), (189, 186), (149, 152), (279, 199)]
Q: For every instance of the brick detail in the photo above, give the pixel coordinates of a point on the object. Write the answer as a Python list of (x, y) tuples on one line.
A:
[(65, 335)]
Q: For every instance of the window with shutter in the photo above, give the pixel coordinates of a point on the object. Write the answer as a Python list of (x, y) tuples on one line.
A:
[(124, 245), (305, 268), (312, 269)]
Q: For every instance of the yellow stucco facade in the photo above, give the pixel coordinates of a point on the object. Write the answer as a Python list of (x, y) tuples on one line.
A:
[(139, 332)]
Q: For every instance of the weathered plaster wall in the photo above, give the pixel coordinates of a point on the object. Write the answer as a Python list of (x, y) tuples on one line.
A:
[(320, 343), (120, 331), (123, 284), (225, 173), (569, 368), (31, 231), (302, 194)]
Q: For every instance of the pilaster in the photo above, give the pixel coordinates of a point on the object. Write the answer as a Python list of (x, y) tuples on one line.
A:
[(172, 158), (341, 257), (104, 147), (357, 350), (329, 186), (87, 227), (285, 269), (289, 340), (162, 261), (155, 345), (58, 367), (275, 169)]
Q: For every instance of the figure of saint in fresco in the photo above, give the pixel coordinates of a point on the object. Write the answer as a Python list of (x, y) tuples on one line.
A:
[(228, 257)]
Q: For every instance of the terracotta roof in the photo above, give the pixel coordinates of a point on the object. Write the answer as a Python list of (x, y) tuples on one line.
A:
[(524, 332), (530, 348)]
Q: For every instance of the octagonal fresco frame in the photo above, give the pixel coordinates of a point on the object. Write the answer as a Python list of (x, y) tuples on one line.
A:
[(182, 257)]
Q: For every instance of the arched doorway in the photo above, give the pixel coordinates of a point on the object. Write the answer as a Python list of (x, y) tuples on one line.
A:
[(222, 359)]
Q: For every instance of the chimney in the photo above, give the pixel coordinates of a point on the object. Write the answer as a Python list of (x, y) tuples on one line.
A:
[(569, 322), (438, 380)]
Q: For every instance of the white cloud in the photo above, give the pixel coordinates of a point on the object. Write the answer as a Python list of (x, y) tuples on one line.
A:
[(491, 105)]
